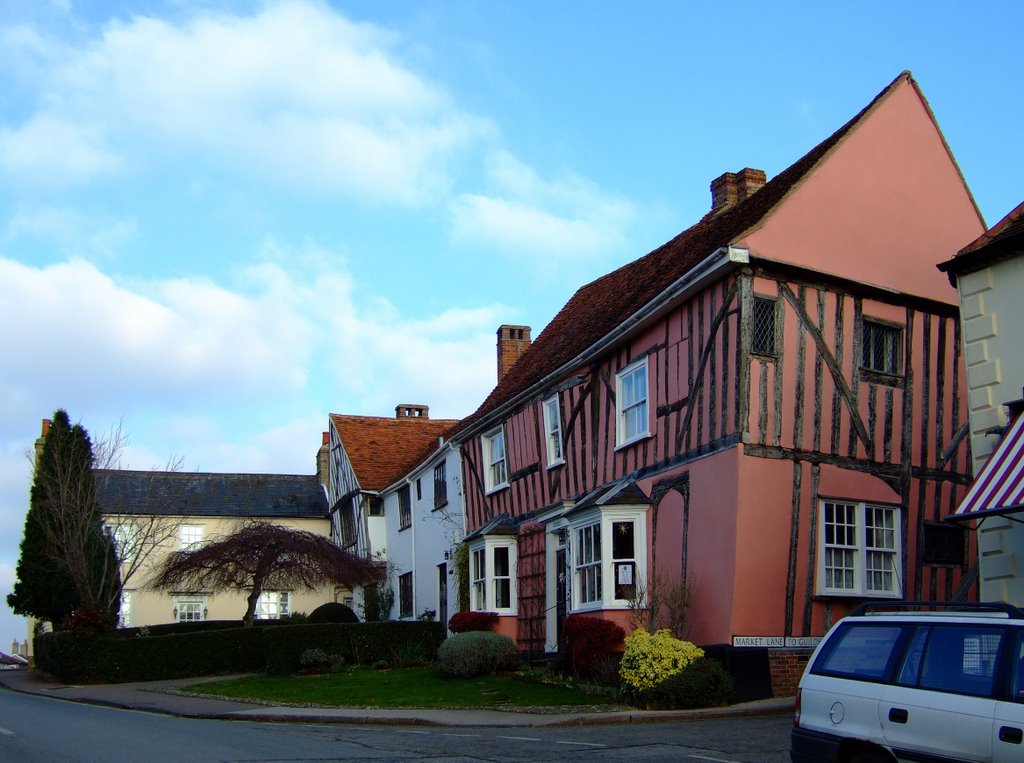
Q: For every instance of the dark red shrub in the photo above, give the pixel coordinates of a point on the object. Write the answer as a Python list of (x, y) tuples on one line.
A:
[(590, 641), (461, 622), (91, 622)]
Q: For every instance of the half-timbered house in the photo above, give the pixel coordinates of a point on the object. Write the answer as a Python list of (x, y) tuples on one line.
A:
[(393, 491), (767, 410)]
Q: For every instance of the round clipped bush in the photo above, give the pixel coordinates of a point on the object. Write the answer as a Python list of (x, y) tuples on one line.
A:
[(702, 683), (476, 653), (649, 659), (332, 612)]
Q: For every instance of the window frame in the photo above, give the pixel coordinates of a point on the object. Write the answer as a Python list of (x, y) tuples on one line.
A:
[(870, 329), (858, 554), (268, 609), (623, 382), (485, 582), (191, 529), (761, 300), (347, 525), (124, 612), (490, 462), (179, 603), (440, 485), (552, 407), (404, 507), (406, 593)]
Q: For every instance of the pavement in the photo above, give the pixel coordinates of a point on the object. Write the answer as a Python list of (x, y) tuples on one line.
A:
[(167, 698)]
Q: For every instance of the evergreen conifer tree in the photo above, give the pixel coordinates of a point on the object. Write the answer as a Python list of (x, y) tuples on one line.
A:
[(44, 589), (68, 561)]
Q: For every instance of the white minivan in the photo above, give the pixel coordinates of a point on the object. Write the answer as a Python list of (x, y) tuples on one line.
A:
[(915, 681)]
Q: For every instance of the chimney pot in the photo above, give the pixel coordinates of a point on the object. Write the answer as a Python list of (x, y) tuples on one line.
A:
[(412, 411)]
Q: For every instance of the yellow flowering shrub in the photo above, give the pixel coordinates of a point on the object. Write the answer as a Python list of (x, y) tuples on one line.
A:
[(650, 659)]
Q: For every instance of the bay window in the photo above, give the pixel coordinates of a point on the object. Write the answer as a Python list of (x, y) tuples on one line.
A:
[(608, 557), (492, 570)]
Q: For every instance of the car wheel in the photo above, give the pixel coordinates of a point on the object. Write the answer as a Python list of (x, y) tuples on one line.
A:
[(870, 756)]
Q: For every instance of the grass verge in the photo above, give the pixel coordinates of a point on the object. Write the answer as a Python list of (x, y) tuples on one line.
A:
[(400, 687)]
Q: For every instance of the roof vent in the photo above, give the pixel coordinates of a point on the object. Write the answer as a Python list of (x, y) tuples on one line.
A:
[(733, 187), (412, 411)]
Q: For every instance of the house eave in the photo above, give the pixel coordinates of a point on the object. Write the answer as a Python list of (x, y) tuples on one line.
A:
[(722, 261)]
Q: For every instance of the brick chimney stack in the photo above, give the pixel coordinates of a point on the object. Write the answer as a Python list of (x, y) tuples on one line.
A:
[(513, 341), (42, 438), (734, 187), (412, 411), (323, 460)]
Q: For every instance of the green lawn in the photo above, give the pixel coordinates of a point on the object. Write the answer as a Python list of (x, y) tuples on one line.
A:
[(400, 687)]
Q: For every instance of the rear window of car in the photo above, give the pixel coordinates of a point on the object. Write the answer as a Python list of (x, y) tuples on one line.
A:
[(865, 651)]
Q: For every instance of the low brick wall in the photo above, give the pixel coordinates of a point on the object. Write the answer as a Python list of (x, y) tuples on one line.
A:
[(786, 666)]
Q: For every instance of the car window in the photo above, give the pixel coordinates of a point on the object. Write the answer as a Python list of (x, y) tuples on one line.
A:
[(910, 672), (1017, 665), (961, 659), (861, 650)]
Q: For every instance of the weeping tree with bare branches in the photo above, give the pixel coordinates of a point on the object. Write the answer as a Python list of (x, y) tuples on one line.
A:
[(263, 556)]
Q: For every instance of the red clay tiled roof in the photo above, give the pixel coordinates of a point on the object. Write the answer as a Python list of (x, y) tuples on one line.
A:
[(1003, 239), (597, 308), (382, 450)]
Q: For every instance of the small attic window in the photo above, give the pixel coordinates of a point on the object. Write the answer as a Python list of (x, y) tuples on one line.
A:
[(881, 347)]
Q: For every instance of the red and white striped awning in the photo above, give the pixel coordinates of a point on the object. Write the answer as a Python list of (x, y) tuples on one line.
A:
[(999, 487)]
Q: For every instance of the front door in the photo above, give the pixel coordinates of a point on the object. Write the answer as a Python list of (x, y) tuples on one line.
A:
[(561, 594), (442, 593)]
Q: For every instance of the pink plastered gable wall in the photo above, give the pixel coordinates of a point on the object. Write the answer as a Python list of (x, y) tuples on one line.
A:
[(883, 209)]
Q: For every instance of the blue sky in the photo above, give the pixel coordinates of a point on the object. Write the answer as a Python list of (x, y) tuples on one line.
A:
[(221, 221)]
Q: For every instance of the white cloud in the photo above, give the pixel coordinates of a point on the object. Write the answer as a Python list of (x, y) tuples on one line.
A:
[(55, 152), (565, 218), (294, 93), (74, 231)]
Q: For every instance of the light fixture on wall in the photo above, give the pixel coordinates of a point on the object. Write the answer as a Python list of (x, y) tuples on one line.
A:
[(447, 555)]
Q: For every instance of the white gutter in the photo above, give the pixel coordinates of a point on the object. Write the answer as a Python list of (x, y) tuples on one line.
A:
[(724, 259)]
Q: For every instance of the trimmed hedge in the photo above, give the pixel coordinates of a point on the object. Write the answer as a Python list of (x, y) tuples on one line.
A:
[(360, 643), (113, 658), (106, 658)]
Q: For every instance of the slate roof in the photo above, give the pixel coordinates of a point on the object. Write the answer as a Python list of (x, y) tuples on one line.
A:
[(1004, 239), (600, 306), (382, 450), (271, 496)]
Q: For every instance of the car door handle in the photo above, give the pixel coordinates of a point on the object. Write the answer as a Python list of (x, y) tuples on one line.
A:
[(898, 715), (1011, 734)]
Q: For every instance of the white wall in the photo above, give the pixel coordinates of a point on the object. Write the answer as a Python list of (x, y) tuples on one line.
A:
[(421, 547), (992, 314)]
